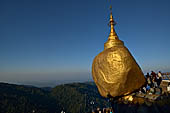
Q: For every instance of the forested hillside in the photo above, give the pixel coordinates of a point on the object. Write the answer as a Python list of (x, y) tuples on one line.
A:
[(72, 98)]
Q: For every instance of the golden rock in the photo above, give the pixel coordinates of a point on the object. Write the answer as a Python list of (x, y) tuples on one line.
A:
[(114, 70)]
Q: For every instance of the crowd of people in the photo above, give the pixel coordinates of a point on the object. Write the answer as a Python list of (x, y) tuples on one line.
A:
[(153, 81)]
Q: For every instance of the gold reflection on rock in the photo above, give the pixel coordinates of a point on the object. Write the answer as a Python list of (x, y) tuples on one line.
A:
[(114, 70), (128, 98)]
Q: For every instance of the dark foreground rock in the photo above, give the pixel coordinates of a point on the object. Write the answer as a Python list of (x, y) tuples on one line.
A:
[(161, 105)]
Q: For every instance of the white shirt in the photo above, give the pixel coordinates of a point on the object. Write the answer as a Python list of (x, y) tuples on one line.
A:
[(159, 74)]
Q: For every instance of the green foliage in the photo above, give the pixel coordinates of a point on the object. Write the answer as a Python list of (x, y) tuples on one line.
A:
[(23, 99), (76, 97), (73, 98)]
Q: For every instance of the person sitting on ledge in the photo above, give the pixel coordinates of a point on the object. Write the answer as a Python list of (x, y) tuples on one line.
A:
[(149, 80)]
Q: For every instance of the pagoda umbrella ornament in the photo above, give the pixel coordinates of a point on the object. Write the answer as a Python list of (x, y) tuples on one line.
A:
[(114, 70)]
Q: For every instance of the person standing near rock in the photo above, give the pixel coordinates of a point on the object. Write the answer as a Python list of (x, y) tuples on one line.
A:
[(159, 78), (153, 74)]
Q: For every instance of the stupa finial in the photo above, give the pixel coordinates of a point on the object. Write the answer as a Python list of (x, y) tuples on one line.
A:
[(113, 39), (112, 23)]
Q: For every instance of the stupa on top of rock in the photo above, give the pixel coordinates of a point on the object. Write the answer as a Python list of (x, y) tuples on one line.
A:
[(114, 70)]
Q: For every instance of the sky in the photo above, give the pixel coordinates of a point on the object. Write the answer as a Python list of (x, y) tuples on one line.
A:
[(55, 41)]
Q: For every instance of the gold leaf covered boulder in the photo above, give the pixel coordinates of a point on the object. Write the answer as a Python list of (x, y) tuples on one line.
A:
[(114, 70)]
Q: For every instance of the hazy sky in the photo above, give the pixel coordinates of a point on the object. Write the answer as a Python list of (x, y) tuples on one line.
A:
[(45, 41)]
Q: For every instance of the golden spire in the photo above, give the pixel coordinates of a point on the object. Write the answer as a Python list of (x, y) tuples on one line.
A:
[(113, 39), (112, 23)]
